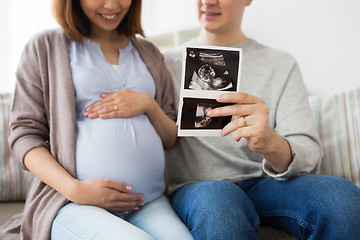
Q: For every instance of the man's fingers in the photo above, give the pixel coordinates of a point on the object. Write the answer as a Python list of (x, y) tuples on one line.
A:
[(234, 109), (237, 97)]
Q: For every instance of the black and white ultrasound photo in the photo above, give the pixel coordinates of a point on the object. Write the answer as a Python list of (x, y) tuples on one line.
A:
[(194, 114), (211, 69), (207, 72)]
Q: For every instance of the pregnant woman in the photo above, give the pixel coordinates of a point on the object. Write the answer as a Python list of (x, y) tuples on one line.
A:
[(96, 177)]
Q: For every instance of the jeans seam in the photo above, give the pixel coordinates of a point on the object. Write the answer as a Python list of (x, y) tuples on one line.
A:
[(298, 219), (63, 226)]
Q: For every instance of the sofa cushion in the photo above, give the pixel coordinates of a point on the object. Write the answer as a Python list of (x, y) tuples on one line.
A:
[(9, 209), (338, 122), (14, 181)]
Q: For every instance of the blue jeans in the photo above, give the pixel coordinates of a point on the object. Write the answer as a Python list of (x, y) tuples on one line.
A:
[(308, 207), (156, 220)]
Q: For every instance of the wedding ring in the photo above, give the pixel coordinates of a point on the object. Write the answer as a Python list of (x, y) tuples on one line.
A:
[(115, 108), (245, 123), (203, 2)]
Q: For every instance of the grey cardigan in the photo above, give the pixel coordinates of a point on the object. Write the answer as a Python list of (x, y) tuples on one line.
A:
[(43, 114)]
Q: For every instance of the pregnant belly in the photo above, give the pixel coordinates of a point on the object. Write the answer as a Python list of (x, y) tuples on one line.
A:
[(127, 150)]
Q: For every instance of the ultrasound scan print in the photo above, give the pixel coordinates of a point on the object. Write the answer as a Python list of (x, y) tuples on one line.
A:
[(207, 73), (211, 70), (194, 114)]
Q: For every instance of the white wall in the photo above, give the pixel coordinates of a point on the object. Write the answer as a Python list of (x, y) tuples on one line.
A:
[(164, 16), (323, 35)]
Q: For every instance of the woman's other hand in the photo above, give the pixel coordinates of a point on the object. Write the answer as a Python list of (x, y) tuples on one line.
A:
[(111, 195)]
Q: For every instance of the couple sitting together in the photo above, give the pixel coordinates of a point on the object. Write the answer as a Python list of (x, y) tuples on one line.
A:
[(94, 109)]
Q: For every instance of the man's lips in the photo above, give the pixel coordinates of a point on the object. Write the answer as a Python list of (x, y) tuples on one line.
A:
[(209, 13)]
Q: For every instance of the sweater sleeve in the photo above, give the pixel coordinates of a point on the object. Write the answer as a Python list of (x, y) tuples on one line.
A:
[(28, 121), (294, 121)]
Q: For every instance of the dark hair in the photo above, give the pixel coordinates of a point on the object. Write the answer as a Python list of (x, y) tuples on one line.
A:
[(74, 22)]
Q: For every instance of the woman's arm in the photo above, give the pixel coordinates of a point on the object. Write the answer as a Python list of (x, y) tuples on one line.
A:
[(127, 103), (164, 125), (103, 193)]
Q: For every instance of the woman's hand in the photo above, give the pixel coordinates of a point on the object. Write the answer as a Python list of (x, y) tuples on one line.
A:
[(111, 195), (251, 121), (128, 103), (122, 103)]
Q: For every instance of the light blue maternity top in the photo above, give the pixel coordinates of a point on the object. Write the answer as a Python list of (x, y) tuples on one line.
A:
[(128, 150)]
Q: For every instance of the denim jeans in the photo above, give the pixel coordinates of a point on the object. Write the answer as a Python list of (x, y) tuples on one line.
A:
[(156, 220), (308, 207)]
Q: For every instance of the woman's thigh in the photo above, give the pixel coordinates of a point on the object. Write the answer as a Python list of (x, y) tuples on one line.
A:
[(75, 222), (160, 220)]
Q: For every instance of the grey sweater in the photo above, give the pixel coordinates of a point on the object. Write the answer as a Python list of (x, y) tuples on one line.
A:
[(273, 76), (43, 114)]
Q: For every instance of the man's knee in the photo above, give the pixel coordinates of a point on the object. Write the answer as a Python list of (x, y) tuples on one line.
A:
[(209, 193), (216, 208), (212, 199), (339, 196)]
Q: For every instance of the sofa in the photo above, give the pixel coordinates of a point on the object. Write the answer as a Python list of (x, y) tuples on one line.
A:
[(338, 123)]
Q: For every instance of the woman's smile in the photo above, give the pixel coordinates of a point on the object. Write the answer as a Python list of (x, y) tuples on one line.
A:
[(110, 18)]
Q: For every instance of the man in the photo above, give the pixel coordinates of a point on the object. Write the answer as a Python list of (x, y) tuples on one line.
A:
[(261, 170)]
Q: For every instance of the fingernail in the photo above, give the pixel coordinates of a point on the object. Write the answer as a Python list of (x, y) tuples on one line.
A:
[(86, 114), (210, 112), (219, 98), (91, 115), (128, 187)]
